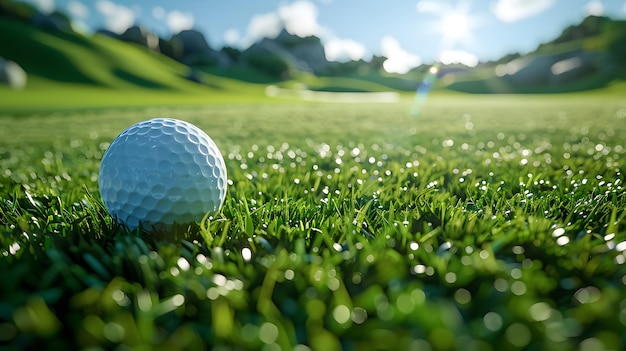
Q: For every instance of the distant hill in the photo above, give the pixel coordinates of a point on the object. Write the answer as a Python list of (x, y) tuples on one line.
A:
[(48, 50), (586, 56)]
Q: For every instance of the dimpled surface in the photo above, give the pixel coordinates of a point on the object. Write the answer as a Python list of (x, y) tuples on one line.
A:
[(162, 171)]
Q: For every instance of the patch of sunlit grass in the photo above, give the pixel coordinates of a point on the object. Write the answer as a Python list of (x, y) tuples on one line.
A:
[(477, 226)]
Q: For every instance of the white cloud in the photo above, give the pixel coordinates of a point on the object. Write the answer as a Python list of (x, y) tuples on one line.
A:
[(117, 18), (45, 6), (515, 10), (427, 6), (342, 50), (178, 21), (300, 18), (78, 13), (266, 25), (77, 9), (158, 12), (231, 37), (594, 8), (449, 57), (398, 59)]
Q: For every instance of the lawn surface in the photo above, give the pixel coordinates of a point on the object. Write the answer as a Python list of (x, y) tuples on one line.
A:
[(484, 223)]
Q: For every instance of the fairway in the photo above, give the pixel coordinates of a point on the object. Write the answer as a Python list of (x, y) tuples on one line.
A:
[(486, 222)]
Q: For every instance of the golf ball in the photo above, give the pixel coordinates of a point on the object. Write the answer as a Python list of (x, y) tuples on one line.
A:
[(160, 172)]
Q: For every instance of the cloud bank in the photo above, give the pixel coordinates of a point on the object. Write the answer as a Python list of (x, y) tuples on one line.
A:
[(515, 10), (398, 60), (298, 18), (45, 6), (117, 18), (178, 21), (449, 57), (266, 25), (342, 50), (431, 7), (594, 8)]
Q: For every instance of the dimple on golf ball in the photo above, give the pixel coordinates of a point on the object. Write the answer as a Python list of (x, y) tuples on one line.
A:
[(160, 172)]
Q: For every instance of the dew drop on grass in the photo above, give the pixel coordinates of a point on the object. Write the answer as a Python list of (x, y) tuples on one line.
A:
[(419, 269), (114, 332), (358, 315), (405, 303), (341, 314), (540, 311), (462, 296), (183, 264), (246, 253), (14, 248), (268, 333), (450, 277), (178, 300), (219, 280), (518, 334), (212, 293), (492, 321), (587, 295), (501, 285), (289, 274), (120, 298), (563, 240)]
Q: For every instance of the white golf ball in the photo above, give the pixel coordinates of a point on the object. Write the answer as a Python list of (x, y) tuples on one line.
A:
[(160, 172)]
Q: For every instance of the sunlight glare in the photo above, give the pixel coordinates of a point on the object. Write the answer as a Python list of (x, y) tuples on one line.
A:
[(456, 24)]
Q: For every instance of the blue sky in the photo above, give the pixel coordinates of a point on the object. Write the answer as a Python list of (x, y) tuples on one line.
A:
[(409, 32)]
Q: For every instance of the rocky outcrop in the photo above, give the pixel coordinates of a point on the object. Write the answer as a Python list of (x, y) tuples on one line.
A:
[(308, 52), (548, 69), (191, 48), (52, 21), (286, 52), (141, 36), (269, 57)]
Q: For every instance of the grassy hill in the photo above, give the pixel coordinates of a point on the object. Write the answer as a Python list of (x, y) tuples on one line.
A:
[(69, 70), (73, 58), (598, 44)]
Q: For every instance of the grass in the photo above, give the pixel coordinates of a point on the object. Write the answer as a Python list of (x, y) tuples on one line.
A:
[(90, 70), (486, 223)]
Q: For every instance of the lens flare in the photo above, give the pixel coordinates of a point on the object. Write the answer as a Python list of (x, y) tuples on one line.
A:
[(424, 88)]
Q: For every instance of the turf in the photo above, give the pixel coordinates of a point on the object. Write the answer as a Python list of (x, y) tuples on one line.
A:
[(484, 223)]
